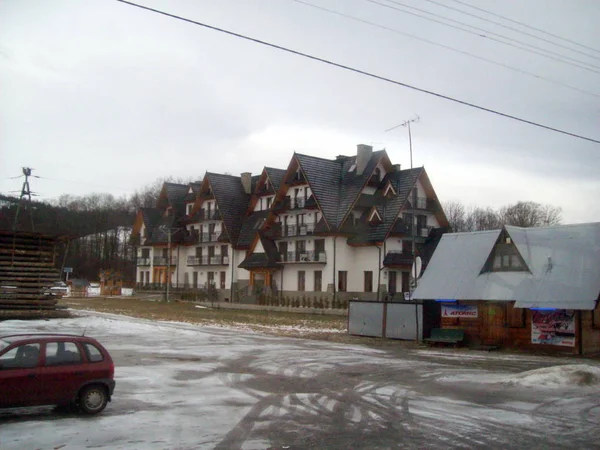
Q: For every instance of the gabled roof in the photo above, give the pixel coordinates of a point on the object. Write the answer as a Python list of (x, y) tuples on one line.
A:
[(268, 258), (151, 216), (232, 202), (564, 262), (276, 176), (249, 230), (389, 207), (173, 195), (333, 185), (159, 234)]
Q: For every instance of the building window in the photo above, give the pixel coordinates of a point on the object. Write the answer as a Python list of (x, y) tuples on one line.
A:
[(269, 201), (222, 280), (368, 281), (318, 281), (342, 281), (195, 280), (145, 253), (211, 278), (301, 280)]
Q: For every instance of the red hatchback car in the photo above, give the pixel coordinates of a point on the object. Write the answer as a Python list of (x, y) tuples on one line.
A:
[(55, 369)]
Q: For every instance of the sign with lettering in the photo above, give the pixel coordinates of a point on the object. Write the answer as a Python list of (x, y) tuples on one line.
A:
[(554, 327), (460, 311)]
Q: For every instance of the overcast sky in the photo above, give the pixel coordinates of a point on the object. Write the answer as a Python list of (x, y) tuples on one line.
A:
[(99, 96)]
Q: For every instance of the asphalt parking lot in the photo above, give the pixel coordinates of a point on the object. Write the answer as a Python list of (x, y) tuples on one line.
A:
[(190, 387)]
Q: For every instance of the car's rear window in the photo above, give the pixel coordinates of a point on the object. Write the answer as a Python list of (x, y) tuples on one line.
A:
[(93, 353)]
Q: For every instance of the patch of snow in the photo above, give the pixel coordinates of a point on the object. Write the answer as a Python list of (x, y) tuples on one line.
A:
[(201, 307), (571, 375)]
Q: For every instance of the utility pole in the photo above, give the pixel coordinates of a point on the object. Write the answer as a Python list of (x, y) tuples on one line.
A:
[(413, 200), (170, 232), (25, 192)]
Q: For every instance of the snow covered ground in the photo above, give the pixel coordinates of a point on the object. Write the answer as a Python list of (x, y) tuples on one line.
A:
[(182, 386)]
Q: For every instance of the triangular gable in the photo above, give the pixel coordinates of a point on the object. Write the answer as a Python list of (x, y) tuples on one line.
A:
[(374, 217), (137, 225), (349, 197), (389, 189), (505, 256)]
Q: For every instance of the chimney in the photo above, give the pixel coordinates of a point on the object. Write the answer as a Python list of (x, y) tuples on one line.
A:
[(247, 182), (363, 155), (397, 167)]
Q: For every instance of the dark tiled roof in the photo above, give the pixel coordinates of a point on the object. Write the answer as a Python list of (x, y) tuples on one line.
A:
[(254, 182), (398, 259), (232, 202), (267, 259), (276, 176), (333, 185), (389, 208), (248, 228), (190, 197), (160, 232), (352, 184), (151, 216), (323, 176)]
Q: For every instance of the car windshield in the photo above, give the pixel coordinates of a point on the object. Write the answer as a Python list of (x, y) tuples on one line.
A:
[(3, 344)]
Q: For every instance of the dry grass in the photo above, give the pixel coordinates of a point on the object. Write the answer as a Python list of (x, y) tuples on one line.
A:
[(306, 326)]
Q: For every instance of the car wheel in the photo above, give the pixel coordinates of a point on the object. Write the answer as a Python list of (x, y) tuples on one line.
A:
[(93, 399)]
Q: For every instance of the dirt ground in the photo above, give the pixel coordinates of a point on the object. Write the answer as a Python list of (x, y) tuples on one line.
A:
[(306, 326)]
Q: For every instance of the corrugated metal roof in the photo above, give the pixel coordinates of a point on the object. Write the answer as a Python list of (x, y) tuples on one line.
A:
[(564, 263)]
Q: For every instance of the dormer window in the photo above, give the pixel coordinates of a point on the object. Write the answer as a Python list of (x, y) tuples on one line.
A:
[(389, 190), (377, 174), (189, 208), (374, 217), (505, 257), (169, 212)]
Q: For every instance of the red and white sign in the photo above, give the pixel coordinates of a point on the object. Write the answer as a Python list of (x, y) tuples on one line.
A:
[(464, 311)]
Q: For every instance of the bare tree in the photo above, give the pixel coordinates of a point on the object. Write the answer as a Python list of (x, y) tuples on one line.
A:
[(521, 214), (530, 214), (456, 215)]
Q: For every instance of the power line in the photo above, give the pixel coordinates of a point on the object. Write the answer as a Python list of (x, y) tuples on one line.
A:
[(359, 71), (526, 25), (447, 47), (560, 58), (512, 29)]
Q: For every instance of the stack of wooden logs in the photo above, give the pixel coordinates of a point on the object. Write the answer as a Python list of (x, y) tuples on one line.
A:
[(27, 271)]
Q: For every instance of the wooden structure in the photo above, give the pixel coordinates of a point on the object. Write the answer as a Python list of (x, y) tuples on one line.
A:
[(111, 282), (27, 270), (528, 288)]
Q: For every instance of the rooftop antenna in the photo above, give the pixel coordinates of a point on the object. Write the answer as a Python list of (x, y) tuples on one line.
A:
[(406, 124), (25, 196), (416, 266)]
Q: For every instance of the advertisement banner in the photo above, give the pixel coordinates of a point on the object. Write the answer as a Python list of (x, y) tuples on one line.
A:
[(461, 311), (556, 327)]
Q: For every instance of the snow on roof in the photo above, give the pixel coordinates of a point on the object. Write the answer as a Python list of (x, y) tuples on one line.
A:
[(564, 262)]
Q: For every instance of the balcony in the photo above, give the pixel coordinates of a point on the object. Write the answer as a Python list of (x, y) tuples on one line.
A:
[(298, 203), (298, 230), (216, 260), (209, 237), (424, 231), (303, 257), (164, 261), (421, 203), (143, 261), (192, 237), (398, 258)]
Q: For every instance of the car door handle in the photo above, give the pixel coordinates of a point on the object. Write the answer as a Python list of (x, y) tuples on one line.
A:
[(31, 375), (79, 373)]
